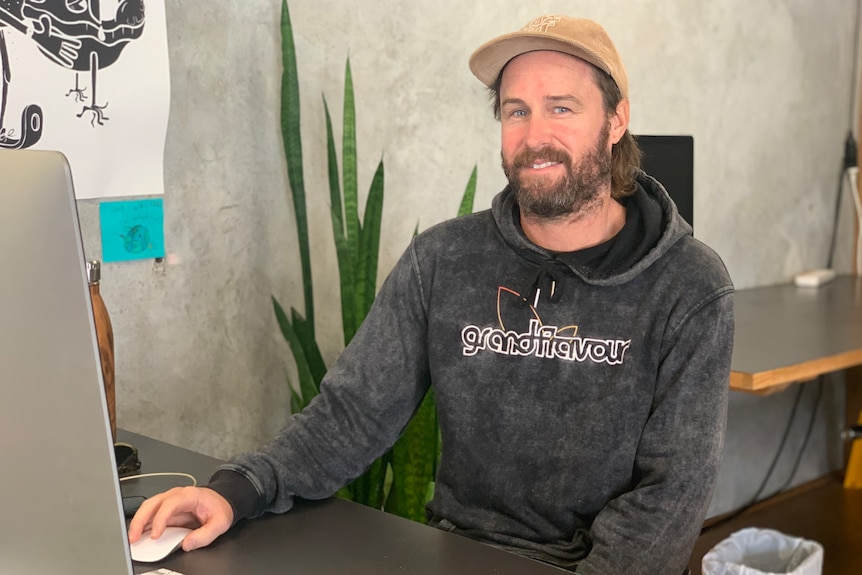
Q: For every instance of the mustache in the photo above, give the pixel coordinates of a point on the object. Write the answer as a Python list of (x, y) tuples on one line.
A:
[(529, 157)]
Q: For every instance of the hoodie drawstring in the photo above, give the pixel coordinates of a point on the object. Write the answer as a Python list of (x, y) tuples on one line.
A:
[(547, 275)]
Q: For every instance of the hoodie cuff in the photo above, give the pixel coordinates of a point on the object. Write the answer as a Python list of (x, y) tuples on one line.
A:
[(238, 490)]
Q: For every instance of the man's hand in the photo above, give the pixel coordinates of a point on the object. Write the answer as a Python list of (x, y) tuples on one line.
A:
[(195, 507)]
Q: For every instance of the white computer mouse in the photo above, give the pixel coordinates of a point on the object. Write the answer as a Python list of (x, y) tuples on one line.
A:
[(148, 550)]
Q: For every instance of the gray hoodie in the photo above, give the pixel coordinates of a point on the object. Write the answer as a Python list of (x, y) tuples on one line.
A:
[(582, 409)]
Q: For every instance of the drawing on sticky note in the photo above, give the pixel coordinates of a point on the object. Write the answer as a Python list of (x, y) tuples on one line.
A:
[(137, 239), (132, 230)]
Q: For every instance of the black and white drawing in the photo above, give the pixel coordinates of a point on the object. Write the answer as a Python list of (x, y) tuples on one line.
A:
[(68, 67)]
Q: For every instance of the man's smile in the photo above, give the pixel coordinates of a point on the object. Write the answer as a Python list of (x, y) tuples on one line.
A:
[(543, 165)]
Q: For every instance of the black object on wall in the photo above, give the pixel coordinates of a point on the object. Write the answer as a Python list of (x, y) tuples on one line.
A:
[(670, 160)]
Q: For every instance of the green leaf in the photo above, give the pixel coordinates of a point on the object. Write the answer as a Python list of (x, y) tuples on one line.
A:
[(351, 208), (307, 387), (349, 158), (466, 206), (335, 209), (290, 133), (414, 459), (296, 403), (370, 248), (345, 492), (346, 269), (305, 333), (368, 487)]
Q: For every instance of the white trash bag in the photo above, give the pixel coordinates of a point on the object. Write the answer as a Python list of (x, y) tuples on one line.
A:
[(755, 551)]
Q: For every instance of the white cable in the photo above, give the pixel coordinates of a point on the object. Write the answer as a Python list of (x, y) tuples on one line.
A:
[(165, 474)]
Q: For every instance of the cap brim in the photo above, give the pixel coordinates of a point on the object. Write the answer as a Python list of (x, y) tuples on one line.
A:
[(490, 58)]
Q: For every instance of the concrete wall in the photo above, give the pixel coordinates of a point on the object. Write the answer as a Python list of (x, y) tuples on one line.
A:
[(764, 87)]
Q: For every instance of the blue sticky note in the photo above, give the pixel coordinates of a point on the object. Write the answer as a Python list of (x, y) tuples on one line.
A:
[(132, 230)]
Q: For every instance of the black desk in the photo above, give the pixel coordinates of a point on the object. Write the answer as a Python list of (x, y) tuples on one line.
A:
[(327, 537)]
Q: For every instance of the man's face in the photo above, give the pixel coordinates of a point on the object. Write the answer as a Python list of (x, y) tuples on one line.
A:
[(556, 136)]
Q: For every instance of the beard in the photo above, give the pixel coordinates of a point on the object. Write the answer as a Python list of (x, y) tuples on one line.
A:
[(576, 192)]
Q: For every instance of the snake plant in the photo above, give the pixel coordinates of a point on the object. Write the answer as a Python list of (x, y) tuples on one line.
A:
[(401, 481)]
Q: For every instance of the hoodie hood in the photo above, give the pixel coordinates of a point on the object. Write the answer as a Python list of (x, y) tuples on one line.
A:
[(650, 209)]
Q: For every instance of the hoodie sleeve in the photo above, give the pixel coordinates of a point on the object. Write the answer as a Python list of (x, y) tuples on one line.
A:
[(652, 528), (366, 399)]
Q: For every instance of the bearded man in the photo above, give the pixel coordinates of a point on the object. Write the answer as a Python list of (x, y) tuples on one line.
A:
[(577, 338)]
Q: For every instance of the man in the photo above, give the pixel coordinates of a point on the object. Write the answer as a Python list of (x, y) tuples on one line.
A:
[(577, 336)]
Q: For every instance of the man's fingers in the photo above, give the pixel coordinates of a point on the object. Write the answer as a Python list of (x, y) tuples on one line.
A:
[(176, 509), (143, 517), (155, 514), (205, 535)]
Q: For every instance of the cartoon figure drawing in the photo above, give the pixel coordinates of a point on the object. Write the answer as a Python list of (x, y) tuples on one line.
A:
[(30, 130), (73, 35)]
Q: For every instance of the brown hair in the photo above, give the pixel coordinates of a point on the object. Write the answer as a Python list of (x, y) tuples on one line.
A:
[(625, 154)]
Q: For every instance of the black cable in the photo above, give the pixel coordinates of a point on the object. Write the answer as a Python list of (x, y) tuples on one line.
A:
[(777, 457), (808, 431), (780, 450), (837, 214)]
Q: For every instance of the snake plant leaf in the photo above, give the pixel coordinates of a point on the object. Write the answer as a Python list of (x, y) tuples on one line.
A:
[(346, 269), (346, 492), (307, 387), (305, 333), (336, 214), (296, 404), (369, 250), (414, 458), (466, 206), (290, 132), (368, 487), (349, 161)]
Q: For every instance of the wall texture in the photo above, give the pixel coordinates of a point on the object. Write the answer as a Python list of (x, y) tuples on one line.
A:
[(764, 87)]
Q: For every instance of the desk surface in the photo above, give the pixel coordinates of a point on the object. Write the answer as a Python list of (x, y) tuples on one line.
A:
[(786, 334), (325, 537)]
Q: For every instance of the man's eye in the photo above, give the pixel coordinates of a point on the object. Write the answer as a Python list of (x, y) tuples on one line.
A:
[(560, 110), (517, 114)]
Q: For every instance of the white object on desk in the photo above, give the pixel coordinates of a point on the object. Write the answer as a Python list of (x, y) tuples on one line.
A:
[(148, 550), (814, 278)]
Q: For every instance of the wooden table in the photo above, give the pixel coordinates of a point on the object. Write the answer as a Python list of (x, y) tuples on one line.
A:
[(786, 334)]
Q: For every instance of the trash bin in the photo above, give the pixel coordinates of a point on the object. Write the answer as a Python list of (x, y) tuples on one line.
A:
[(755, 551)]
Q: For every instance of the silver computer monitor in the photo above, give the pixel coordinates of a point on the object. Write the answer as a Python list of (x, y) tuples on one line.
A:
[(60, 506)]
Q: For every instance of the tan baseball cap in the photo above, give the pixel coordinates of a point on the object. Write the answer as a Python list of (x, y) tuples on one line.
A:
[(576, 36)]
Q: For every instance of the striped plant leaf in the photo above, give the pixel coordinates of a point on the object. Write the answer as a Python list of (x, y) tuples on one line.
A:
[(305, 333), (290, 132), (369, 250), (466, 206), (307, 387), (350, 189), (368, 487), (346, 269)]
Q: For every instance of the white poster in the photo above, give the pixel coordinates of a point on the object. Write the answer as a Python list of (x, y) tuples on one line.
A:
[(89, 78)]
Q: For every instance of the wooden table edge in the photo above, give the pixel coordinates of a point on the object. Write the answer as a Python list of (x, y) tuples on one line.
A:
[(779, 378)]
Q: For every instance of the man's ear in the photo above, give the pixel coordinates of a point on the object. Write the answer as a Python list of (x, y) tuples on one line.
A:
[(619, 121)]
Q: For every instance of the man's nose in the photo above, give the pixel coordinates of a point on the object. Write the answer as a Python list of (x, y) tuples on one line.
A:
[(538, 132)]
